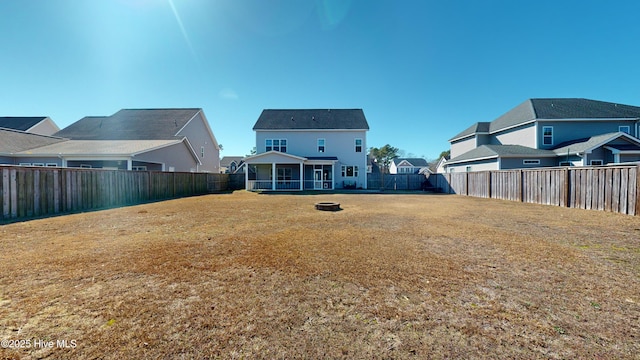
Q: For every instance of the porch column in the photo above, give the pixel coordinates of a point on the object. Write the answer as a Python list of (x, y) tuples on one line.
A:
[(273, 176), (333, 176), (246, 176), (129, 164), (301, 176)]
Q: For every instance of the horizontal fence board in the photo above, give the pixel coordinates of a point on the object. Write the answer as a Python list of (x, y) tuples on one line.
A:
[(615, 189)]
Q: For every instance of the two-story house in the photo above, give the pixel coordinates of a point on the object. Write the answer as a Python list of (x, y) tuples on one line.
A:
[(550, 132), (311, 149)]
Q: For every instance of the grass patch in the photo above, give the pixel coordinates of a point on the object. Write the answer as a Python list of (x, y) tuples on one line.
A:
[(244, 275)]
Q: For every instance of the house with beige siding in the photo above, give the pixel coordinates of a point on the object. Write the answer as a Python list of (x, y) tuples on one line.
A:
[(550, 132), (309, 149)]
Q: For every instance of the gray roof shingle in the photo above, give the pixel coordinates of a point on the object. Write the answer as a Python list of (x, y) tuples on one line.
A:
[(552, 109), (20, 123), (488, 151), (130, 124), (583, 145), (312, 119), (13, 141), (418, 162)]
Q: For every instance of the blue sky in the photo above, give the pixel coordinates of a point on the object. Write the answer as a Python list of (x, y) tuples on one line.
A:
[(422, 71)]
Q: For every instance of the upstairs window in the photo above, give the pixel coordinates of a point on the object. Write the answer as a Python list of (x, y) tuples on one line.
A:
[(547, 135), (625, 129), (358, 145), (276, 145), (320, 145)]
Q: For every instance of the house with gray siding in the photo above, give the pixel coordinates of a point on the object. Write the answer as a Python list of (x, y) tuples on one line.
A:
[(131, 139), (407, 165), (309, 149), (39, 125), (550, 132), (168, 140)]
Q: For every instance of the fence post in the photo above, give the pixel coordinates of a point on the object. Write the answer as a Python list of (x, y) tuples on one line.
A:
[(520, 180), (489, 184), (566, 189), (638, 190)]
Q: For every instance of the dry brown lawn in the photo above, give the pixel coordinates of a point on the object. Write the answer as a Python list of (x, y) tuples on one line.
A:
[(243, 275)]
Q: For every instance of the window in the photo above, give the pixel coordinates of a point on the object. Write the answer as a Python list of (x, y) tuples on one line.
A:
[(565, 163), (468, 168), (52, 165), (284, 174), (139, 168), (38, 164), (596, 162), (531, 162), (85, 166), (202, 151), (358, 145), (25, 164), (276, 145), (321, 145), (625, 129), (547, 135), (349, 171)]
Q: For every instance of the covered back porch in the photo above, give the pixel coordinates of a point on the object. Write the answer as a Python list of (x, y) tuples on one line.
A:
[(276, 171)]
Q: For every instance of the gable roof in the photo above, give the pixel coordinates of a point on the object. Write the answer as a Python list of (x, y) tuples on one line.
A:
[(554, 109), (582, 145), (503, 151), (131, 124), (417, 162), (20, 123), (227, 160), (312, 119), (479, 127), (13, 141)]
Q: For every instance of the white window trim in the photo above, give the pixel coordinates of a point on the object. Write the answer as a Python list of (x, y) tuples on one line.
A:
[(344, 173), (550, 136), (355, 144), (280, 146), (324, 145), (530, 162), (601, 162), (628, 131)]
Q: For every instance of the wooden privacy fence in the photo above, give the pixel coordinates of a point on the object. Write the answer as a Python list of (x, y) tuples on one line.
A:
[(395, 181), (615, 189), (36, 191)]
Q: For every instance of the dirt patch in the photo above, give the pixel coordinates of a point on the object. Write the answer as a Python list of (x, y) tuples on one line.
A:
[(390, 276)]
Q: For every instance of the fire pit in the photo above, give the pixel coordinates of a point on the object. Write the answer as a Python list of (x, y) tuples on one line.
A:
[(328, 206)]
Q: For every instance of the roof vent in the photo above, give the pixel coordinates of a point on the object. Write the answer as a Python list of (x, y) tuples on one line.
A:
[(292, 118), (313, 118)]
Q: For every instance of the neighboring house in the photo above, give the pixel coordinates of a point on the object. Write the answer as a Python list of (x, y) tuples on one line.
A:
[(159, 139), (158, 155), (549, 132), (407, 166), (16, 141), (231, 164), (40, 125), (315, 149)]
